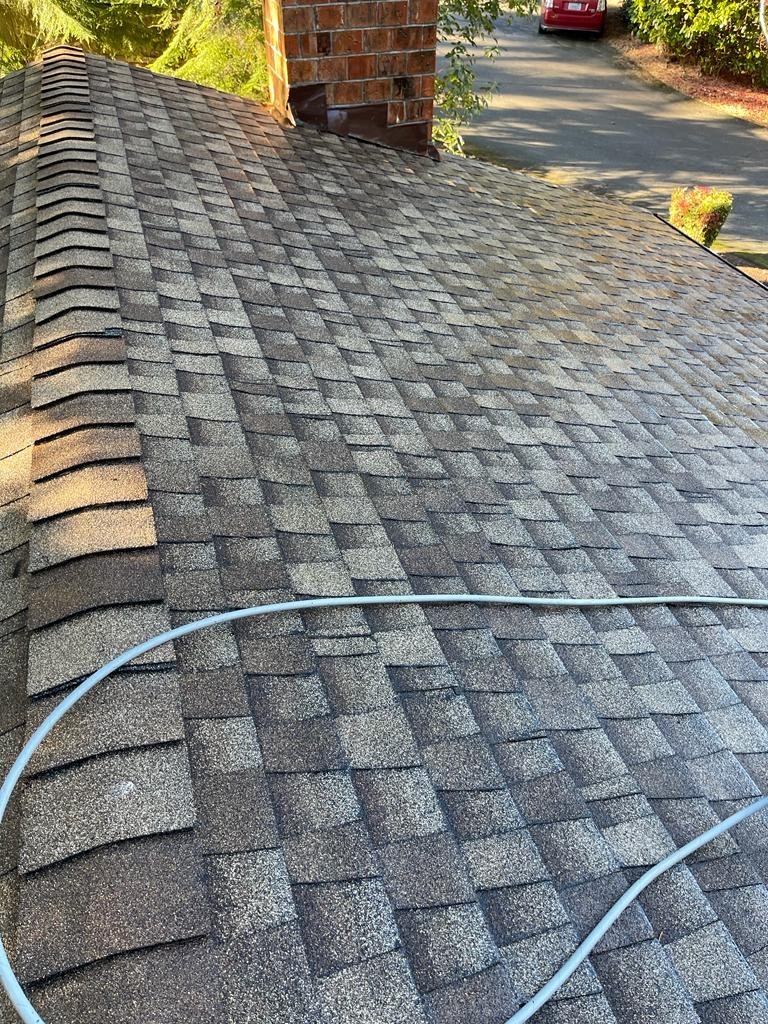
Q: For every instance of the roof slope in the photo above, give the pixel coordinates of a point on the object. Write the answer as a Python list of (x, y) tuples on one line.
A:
[(242, 363)]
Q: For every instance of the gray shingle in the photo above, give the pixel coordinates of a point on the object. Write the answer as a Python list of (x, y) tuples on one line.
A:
[(123, 897), (331, 855), (574, 851), (710, 964), (344, 923), (502, 860), (120, 796), (380, 990), (532, 962), (425, 872), (399, 804), (642, 986), (446, 944), (249, 891), (170, 983)]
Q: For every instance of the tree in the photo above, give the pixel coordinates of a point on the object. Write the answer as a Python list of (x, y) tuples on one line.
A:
[(135, 30), (219, 43), (469, 29), (28, 25)]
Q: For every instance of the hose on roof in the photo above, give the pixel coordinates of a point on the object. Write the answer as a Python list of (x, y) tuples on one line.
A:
[(10, 982)]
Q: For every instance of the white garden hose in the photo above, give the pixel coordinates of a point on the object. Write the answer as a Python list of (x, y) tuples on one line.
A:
[(10, 982)]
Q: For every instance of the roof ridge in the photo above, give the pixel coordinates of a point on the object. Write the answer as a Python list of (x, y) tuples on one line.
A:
[(95, 587), (86, 450)]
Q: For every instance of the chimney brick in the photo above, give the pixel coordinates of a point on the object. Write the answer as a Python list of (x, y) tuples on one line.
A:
[(364, 68)]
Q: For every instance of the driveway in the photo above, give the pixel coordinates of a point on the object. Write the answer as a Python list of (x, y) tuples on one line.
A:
[(566, 107)]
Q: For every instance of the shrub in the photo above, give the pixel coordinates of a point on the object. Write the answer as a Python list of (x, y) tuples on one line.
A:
[(700, 212), (722, 36)]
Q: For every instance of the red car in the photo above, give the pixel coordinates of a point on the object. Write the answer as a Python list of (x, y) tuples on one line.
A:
[(573, 16)]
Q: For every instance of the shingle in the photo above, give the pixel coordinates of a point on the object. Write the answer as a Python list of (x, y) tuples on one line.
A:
[(710, 964), (504, 716), (123, 897), (463, 764), (533, 961), (345, 922), (749, 1008), (588, 755), (721, 777), (517, 911), (416, 646), (92, 444), (399, 804), (166, 984), (224, 744), (264, 974), (592, 1009), (234, 811), (642, 986), (356, 683), (330, 855), (63, 652), (128, 710), (675, 905), (744, 911), (121, 796), (438, 715), (574, 851), (425, 872), (588, 902), (474, 815), (272, 655), (306, 746), (87, 487), (502, 860), (91, 531), (738, 728), (109, 579), (378, 739), (478, 999), (446, 944), (640, 842), (369, 380), (305, 802), (550, 798), (249, 891), (725, 872), (380, 990)]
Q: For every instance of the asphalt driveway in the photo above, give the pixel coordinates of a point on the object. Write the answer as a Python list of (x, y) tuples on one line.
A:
[(566, 106)]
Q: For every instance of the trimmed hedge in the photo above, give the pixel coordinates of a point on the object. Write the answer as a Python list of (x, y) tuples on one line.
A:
[(700, 212), (722, 36)]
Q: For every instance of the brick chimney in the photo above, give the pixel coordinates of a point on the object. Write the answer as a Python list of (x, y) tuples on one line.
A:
[(364, 68)]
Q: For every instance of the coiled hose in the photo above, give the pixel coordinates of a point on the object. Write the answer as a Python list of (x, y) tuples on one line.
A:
[(10, 982)]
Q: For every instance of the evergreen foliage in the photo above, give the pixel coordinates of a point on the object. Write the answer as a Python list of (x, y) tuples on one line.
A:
[(722, 36), (219, 43)]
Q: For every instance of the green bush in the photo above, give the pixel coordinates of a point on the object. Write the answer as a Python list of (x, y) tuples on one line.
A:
[(700, 212), (722, 36)]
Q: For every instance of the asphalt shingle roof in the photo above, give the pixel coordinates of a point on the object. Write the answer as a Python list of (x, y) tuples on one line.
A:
[(242, 363)]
